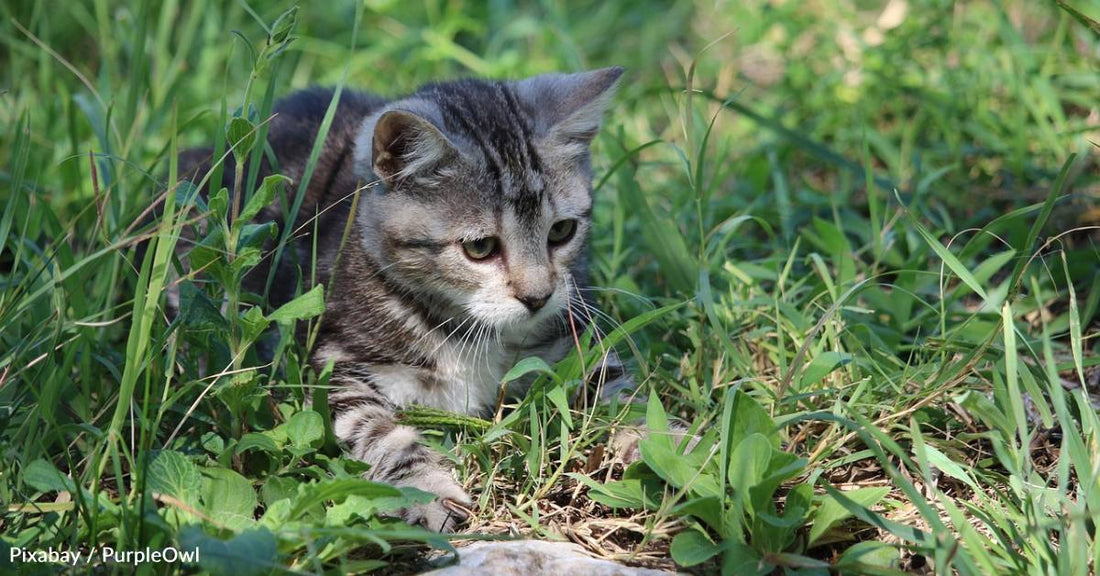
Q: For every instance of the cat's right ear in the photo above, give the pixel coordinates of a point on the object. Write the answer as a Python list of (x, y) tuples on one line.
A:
[(404, 145), (568, 107)]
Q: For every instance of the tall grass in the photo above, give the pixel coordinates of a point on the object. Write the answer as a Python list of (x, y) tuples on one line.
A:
[(852, 246)]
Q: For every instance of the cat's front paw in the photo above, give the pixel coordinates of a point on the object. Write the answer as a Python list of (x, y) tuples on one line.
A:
[(625, 442), (451, 507)]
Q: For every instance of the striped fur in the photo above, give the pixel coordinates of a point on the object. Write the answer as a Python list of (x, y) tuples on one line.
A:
[(411, 317)]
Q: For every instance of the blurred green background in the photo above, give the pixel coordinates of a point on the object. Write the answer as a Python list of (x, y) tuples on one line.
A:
[(843, 197)]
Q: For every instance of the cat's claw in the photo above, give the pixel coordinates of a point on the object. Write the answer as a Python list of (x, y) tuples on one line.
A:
[(452, 507), (442, 515)]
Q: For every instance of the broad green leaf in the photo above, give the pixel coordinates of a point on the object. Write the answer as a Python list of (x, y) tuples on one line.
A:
[(355, 507), (741, 560), (656, 421), (747, 418), (782, 466), (213, 443), (277, 515), (307, 305), (871, 557), (773, 533), (795, 510), (44, 477), (241, 135), (171, 473), (822, 365), (832, 512), (198, 311), (305, 429), (344, 513), (332, 490), (692, 547), (748, 466), (410, 496), (246, 554), (260, 199), (805, 565), (208, 256), (228, 498), (253, 236), (219, 207), (256, 441), (253, 323), (945, 465), (665, 458), (628, 493), (246, 259), (533, 364), (708, 509), (684, 472), (278, 488)]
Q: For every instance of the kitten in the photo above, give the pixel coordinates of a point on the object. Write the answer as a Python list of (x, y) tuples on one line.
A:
[(464, 256)]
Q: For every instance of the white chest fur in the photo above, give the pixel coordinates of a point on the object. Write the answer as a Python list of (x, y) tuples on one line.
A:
[(466, 377)]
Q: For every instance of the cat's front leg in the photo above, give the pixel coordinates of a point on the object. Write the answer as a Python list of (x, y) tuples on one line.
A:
[(363, 419)]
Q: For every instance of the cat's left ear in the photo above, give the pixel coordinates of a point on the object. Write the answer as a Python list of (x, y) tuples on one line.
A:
[(404, 144), (568, 107)]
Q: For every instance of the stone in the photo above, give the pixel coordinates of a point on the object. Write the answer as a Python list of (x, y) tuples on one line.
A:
[(534, 558)]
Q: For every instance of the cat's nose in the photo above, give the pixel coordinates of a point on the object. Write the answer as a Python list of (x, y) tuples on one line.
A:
[(533, 302)]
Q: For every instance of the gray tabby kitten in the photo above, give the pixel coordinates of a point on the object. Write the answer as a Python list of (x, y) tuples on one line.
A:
[(463, 258)]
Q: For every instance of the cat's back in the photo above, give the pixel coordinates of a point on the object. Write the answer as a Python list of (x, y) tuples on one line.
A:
[(297, 119), (295, 123), (293, 126), (298, 116)]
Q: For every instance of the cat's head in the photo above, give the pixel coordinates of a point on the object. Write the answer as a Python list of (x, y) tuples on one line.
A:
[(486, 193)]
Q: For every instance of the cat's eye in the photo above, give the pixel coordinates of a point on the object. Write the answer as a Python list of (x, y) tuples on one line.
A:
[(480, 248), (562, 231)]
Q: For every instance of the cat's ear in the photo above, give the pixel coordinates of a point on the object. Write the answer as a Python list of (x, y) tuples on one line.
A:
[(568, 107), (404, 144)]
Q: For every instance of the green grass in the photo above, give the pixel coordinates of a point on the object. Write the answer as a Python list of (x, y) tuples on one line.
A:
[(856, 252)]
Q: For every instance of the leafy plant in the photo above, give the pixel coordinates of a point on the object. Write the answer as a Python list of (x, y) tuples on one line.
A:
[(728, 486), (853, 244)]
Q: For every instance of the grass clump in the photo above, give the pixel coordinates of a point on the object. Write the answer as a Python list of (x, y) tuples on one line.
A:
[(852, 246)]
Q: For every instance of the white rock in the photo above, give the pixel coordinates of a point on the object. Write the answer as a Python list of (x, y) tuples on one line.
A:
[(534, 558)]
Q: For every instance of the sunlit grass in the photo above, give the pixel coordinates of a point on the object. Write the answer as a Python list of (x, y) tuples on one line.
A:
[(853, 248)]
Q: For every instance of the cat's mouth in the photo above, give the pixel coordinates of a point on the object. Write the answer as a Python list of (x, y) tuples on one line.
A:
[(513, 318), (528, 319)]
